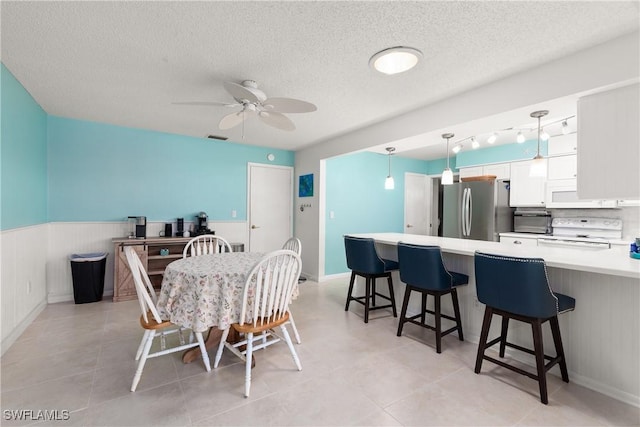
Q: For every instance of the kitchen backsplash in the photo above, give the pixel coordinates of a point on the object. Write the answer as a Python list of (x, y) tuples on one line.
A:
[(630, 216)]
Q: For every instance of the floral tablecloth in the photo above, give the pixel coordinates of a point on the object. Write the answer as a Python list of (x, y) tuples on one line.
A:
[(205, 291)]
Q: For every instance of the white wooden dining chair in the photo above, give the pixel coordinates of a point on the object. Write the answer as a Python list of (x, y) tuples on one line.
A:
[(266, 297), (206, 244), (294, 244), (152, 323)]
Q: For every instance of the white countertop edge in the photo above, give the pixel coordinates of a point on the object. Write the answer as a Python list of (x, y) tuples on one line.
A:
[(602, 262)]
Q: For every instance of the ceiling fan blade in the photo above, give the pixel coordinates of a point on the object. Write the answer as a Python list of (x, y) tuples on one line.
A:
[(277, 120), (223, 104), (231, 120), (240, 92), (289, 105)]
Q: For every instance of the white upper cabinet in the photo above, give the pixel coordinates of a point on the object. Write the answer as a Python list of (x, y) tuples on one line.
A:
[(500, 170), (563, 144), (562, 167), (609, 145), (473, 171), (526, 190)]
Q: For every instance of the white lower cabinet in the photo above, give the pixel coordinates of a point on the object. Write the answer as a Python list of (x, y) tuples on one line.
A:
[(522, 241)]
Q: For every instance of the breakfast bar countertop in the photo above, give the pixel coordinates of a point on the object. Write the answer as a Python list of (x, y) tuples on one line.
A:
[(611, 262)]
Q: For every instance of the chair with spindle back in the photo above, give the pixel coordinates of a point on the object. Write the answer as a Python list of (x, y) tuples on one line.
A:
[(206, 244)]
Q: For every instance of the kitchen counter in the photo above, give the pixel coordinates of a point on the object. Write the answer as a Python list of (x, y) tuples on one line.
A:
[(601, 336), (603, 262)]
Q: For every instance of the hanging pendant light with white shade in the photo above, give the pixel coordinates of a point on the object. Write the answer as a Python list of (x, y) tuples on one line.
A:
[(389, 184), (447, 174), (539, 164)]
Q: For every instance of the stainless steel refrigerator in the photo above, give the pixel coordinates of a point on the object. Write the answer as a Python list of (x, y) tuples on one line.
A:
[(476, 210)]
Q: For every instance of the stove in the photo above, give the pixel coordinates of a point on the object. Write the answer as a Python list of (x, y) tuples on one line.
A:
[(583, 232)]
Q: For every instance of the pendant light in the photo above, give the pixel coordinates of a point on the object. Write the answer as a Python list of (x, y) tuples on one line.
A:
[(388, 183), (447, 174), (539, 164)]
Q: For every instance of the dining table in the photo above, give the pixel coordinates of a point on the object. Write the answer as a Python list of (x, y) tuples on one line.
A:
[(204, 293)]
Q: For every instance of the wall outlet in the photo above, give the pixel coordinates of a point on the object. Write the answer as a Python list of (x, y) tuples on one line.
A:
[(331, 215), (234, 213)]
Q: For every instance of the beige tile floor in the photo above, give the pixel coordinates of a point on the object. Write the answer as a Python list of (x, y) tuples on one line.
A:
[(80, 358)]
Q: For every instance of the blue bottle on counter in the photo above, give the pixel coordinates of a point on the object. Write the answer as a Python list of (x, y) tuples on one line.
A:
[(633, 247)]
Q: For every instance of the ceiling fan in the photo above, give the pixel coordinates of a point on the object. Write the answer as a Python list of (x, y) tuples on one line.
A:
[(254, 102)]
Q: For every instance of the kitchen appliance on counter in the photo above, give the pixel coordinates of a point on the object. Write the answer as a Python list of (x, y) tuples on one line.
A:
[(137, 227), (583, 233), (476, 210), (202, 225), (532, 221)]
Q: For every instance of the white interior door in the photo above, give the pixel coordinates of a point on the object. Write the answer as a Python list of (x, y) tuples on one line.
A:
[(270, 210), (417, 204)]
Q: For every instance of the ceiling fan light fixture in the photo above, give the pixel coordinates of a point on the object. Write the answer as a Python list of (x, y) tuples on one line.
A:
[(395, 60)]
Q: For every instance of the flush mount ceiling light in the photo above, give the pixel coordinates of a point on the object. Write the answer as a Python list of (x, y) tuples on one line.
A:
[(539, 164), (395, 60), (389, 184), (447, 174)]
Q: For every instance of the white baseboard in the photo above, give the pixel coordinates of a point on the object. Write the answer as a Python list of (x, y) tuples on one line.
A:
[(22, 326), (329, 277)]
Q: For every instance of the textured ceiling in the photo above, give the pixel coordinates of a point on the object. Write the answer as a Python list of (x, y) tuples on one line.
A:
[(124, 63)]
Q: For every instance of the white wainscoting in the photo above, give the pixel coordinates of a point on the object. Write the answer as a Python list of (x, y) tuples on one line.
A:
[(23, 259), (66, 238)]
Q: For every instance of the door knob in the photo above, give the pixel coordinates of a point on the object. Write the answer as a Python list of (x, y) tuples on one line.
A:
[(409, 225), (254, 226)]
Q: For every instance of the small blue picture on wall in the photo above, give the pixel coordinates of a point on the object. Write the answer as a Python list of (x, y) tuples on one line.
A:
[(305, 188)]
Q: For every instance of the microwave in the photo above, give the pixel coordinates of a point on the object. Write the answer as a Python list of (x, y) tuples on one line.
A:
[(532, 221), (563, 193)]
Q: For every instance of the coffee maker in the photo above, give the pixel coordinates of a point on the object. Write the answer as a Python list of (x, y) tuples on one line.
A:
[(202, 225), (139, 224)]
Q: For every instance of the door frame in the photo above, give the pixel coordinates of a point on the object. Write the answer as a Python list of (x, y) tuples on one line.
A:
[(291, 212)]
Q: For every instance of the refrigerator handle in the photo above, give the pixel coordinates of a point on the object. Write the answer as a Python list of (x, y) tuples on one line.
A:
[(469, 211), (463, 217)]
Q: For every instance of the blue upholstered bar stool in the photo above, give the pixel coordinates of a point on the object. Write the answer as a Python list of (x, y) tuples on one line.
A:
[(363, 260), (518, 288), (422, 270)]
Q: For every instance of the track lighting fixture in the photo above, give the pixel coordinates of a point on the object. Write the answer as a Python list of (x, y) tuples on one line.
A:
[(456, 148), (492, 138), (474, 143), (520, 137), (565, 127)]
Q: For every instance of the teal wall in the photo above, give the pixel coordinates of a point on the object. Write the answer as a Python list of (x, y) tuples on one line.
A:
[(100, 172), (23, 156), (58, 169), (500, 153), (355, 193)]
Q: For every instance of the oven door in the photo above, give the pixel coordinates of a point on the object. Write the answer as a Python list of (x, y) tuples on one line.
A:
[(563, 193), (575, 244)]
